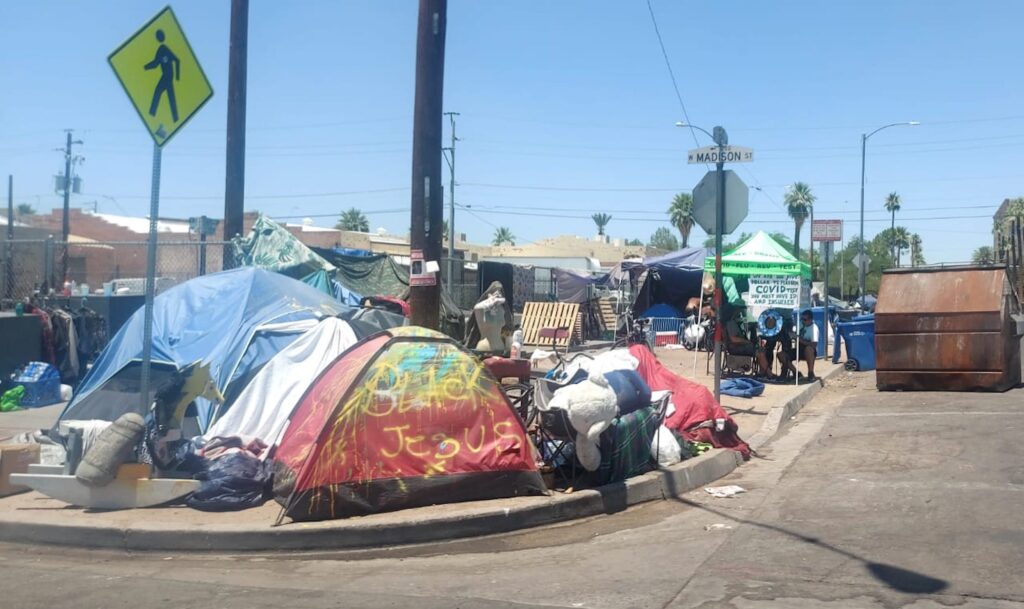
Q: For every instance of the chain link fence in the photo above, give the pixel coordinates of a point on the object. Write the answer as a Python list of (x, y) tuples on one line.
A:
[(31, 267)]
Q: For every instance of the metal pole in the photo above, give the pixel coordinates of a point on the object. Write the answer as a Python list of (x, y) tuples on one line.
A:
[(66, 225), (234, 175), (10, 237), (719, 224), (147, 332), (451, 208), (828, 250), (202, 245), (860, 265), (427, 206)]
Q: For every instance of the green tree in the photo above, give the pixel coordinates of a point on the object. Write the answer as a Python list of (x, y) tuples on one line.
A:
[(916, 251), (353, 220), (982, 255), (444, 230), (601, 220), (892, 205), (24, 209), (663, 239), (900, 241), (503, 235), (680, 213), (634, 242), (799, 200)]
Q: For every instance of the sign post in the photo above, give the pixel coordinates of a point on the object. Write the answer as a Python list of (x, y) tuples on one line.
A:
[(827, 232), (167, 86), (720, 154)]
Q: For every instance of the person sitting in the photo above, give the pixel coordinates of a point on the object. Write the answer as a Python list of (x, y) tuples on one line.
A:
[(787, 353), (737, 343), (808, 342)]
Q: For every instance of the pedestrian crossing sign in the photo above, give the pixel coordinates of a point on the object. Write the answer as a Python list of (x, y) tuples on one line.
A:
[(161, 75)]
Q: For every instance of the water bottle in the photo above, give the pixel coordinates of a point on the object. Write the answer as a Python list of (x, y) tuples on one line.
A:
[(517, 343)]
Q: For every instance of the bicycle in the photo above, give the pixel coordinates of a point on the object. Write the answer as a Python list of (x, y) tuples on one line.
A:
[(637, 333)]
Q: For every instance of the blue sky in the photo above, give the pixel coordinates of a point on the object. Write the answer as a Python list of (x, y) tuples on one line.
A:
[(566, 109)]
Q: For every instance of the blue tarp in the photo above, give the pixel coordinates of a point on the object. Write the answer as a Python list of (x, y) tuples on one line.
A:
[(235, 321), (319, 280), (687, 259)]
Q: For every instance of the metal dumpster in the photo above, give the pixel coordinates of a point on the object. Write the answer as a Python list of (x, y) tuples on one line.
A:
[(947, 329)]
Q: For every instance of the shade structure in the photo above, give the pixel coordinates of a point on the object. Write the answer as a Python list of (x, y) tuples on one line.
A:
[(759, 255), (404, 418)]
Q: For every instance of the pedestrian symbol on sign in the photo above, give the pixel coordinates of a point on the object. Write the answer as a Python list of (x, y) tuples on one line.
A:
[(170, 71)]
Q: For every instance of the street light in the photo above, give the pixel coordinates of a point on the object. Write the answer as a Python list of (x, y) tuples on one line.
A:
[(863, 157)]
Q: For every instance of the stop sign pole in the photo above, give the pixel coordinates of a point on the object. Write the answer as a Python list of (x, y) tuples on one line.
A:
[(719, 154)]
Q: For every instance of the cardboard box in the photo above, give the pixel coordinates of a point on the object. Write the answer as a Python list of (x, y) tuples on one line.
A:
[(15, 459)]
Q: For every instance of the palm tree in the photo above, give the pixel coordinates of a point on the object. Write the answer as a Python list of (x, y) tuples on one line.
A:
[(503, 235), (900, 241), (353, 220), (916, 256), (892, 205), (982, 255), (680, 213), (24, 209), (601, 220), (799, 200)]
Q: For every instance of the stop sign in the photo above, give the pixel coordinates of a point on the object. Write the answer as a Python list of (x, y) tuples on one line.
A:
[(705, 196)]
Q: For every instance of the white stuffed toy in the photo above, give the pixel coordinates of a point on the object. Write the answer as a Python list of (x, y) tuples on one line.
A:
[(591, 407)]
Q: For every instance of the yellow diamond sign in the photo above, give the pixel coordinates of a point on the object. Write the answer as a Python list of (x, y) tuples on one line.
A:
[(161, 75)]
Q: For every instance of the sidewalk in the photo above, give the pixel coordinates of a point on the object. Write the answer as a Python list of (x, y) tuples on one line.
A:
[(34, 518)]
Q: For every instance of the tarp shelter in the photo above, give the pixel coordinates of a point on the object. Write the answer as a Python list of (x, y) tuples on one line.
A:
[(375, 275), (234, 320), (263, 408), (404, 418), (671, 279), (270, 246)]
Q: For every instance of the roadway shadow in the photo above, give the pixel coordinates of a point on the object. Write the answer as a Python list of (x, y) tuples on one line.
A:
[(896, 578)]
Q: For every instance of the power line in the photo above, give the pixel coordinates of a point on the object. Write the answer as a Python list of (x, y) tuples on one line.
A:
[(671, 73)]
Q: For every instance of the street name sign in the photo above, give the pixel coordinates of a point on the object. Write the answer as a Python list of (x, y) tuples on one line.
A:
[(705, 194), (725, 154), (161, 76), (827, 230)]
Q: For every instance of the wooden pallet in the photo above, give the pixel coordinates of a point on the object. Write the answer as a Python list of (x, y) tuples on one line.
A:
[(606, 313), (538, 315)]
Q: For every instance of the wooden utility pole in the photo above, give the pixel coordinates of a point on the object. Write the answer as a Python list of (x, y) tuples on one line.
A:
[(427, 204), (234, 175)]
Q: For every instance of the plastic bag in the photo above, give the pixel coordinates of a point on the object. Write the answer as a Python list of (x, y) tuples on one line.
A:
[(237, 481), (665, 448)]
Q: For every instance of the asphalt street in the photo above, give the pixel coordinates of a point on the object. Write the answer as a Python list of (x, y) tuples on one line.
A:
[(867, 500)]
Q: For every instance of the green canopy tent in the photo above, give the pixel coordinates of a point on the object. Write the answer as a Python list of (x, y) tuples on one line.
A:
[(759, 255)]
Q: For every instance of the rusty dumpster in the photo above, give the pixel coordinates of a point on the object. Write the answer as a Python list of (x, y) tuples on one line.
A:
[(947, 329)]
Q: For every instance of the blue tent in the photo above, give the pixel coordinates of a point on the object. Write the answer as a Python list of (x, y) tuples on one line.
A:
[(235, 321)]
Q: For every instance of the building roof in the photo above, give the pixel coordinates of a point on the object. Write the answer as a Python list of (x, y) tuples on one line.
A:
[(3, 221), (141, 225)]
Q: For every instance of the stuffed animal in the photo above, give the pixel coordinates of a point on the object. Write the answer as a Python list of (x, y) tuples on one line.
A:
[(591, 407)]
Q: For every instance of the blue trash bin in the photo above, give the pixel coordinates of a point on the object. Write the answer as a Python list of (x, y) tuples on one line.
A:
[(859, 337)]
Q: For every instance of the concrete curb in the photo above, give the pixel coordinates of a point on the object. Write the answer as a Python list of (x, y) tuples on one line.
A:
[(358, 534)]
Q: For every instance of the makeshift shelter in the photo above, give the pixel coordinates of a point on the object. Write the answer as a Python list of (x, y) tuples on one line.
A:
[(235, 321), (263, 408), (671, 279), (269, 246), (404, 418), (374, 275)]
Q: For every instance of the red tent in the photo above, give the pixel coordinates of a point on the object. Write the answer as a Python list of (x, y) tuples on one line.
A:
[(404, 418), (694, 404)]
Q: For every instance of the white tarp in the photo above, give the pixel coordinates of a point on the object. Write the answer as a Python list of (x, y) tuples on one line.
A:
[(263, 408)]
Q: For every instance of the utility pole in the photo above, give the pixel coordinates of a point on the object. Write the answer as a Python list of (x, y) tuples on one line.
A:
[(427, 209), (66, 226), (234, 175), (451, 205), (9, 271)]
